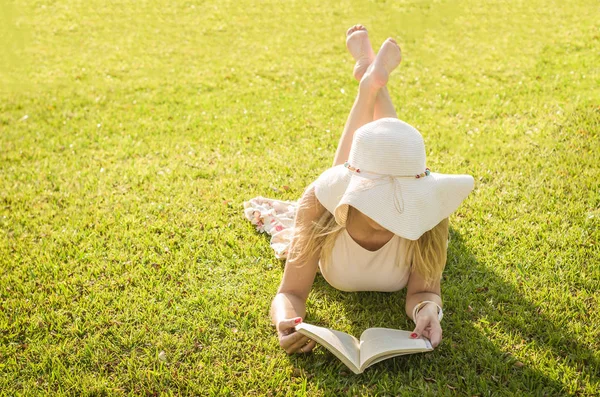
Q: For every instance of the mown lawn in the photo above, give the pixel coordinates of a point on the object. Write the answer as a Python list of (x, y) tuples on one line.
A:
[(131, 132)]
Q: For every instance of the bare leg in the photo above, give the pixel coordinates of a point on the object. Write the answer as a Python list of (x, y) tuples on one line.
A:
[(371, 84), (360, 114), (359, 46), (383, 105)]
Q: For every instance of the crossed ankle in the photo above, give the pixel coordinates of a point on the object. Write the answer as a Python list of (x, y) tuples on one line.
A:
[(368, 93), (370, 85)]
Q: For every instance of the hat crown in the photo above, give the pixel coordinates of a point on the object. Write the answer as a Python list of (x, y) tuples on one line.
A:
[(388, 146)]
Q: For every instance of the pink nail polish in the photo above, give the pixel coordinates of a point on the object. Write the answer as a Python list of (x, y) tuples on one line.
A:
[(298, 320), (413, 335)]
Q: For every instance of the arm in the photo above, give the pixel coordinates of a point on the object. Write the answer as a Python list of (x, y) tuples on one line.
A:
[(289, 304), (417, 291), (427, 322)]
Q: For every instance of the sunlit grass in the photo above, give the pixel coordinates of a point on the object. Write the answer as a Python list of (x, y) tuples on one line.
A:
[(131, 134)]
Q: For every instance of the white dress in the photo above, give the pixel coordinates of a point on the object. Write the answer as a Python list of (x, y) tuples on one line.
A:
[(352, 267), (355, 268)]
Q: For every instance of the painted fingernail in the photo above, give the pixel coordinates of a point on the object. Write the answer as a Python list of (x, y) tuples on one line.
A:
[(413, 335), (298, 320)]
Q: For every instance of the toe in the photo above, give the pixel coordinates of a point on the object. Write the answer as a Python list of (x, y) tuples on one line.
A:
[(391, 40)]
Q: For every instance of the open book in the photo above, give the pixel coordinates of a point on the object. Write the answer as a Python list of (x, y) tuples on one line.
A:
[(374, 345)]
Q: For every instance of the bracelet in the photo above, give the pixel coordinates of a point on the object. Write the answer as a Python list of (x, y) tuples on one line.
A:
[(419, 305)]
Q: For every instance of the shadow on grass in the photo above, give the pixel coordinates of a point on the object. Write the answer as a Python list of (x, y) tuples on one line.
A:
[(477, 303)]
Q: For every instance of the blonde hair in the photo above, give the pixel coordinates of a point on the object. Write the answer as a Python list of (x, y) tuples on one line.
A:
[(427, 255)]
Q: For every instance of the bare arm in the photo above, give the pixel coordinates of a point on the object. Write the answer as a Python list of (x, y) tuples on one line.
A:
[(290, 300), (417, 291), (427, 322)]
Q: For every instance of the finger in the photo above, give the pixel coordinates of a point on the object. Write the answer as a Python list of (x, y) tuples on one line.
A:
[(433, 332), (435, 336), (288, 342), (290, 339), (308, 347), (295, 347), (288, 323), (426, 332), (422, 322)]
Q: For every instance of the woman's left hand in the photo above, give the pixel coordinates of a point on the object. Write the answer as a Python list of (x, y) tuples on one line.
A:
[(428, 324)]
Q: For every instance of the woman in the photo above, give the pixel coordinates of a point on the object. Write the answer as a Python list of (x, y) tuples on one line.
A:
[(378, 221)]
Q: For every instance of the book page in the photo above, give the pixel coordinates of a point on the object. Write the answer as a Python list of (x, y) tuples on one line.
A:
[(377, 344), (344, 346)]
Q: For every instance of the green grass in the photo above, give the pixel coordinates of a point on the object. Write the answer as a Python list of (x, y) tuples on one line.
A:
[(131, 133)]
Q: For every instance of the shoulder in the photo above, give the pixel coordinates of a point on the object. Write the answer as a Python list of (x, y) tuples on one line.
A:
[(310, 203)]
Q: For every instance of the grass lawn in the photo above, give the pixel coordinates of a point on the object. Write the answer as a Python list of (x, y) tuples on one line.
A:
[(131, 132)]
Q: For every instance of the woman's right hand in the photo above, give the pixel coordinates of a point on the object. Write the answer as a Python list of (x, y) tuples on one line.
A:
[(292, 341)]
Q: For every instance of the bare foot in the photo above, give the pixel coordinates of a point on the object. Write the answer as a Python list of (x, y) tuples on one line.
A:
[(357, 41), (385, 62)]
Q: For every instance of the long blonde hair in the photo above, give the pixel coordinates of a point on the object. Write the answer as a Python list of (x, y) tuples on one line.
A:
[(317, 235)]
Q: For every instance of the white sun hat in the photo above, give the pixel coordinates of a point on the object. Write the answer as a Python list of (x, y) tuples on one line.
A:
[(385, 178)]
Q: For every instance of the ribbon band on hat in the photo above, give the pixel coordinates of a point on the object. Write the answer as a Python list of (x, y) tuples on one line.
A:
[(358, 170), (393, 179)]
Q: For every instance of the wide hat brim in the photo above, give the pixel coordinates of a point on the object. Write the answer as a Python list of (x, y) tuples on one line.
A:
[(405, 206)]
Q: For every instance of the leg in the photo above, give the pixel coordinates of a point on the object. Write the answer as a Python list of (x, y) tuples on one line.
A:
[(359, 46), (383, 105), (360, 114), (371, 85)]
